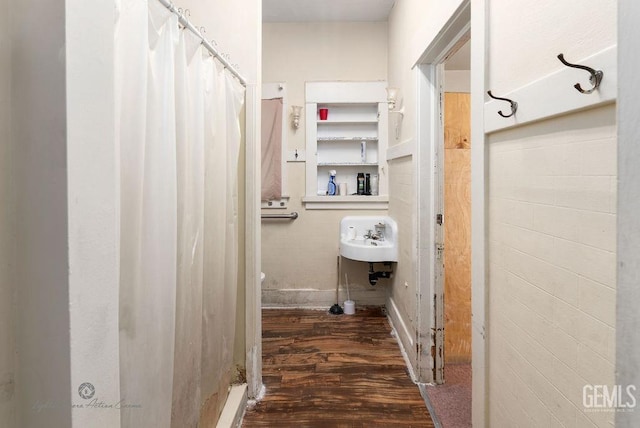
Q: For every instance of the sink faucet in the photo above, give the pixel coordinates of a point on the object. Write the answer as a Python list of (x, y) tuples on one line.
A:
[(378, 236)]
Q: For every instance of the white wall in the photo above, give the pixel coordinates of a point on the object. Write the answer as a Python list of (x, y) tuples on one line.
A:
[(413, 25), (235, 27), (552, 237), (627, 321), (7, 229), (408, 18), (552, 225), (42, 254), (299, 257), (571, 27)]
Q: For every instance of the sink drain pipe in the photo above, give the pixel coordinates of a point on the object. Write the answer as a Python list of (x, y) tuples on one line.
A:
[(374, 275)]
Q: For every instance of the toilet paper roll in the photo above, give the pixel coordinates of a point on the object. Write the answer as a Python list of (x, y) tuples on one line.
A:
[(343, 189)]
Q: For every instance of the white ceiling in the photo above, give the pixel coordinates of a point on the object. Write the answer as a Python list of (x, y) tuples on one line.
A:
[(325, 10)]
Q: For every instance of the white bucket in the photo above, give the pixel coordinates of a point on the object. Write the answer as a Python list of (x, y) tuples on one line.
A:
[(349, 307)]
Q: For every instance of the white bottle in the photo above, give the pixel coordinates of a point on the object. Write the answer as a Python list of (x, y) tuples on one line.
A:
[(374, 184)]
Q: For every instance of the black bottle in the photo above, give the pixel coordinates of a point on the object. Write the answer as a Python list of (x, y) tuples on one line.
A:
[(367, 184), (360, 183)]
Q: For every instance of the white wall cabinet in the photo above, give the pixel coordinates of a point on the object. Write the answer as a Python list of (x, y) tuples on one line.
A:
[(357, 118)]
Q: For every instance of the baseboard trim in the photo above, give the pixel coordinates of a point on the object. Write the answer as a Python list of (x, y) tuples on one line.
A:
[(320, 299), (394, 313), (234, 407), (405, 338)]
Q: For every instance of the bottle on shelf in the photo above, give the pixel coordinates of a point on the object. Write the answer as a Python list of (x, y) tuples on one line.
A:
[(331, 187), (360, 183), (374, 185)]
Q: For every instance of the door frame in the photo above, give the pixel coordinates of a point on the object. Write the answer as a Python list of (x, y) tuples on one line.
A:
[(468, 20), (253, 242), (628, 295)]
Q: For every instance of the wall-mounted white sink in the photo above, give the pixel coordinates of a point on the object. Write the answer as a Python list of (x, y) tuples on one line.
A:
[(360, 239)]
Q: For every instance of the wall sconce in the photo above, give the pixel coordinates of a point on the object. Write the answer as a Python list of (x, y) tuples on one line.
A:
[(392, 96), (392, 100), (295, 113)]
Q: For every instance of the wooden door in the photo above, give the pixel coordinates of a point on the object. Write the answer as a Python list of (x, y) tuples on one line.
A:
[(457, 228)]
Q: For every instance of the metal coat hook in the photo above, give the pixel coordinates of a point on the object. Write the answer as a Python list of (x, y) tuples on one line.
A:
[(595, 79), (514, 105)]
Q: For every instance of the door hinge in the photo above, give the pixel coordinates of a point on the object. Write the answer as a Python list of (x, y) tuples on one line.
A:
[(439, 219), (439, 250)]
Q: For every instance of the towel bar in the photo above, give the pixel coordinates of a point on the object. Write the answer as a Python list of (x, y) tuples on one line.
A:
[(292, 216)]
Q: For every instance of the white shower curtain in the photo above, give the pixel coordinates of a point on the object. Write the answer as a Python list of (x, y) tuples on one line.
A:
[(224, 98), (190, 161), (179, 139), (146, 42)]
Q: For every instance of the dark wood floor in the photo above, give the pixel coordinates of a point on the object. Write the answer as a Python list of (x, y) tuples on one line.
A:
[(323, 370)]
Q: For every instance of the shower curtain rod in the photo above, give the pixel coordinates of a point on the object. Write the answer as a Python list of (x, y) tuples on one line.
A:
[(184, 21)]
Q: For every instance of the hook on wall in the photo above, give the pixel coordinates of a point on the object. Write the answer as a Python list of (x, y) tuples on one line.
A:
[(595, 78), (514, 105)]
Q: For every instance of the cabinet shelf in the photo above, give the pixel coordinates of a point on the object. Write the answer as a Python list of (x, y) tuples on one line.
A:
[(353, 139), (346, 121), (348, 202), (347, 163)]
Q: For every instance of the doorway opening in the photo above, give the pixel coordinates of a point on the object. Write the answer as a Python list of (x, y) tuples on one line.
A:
[(430, 177), (452, 188), (434, 351), (456, 197)]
